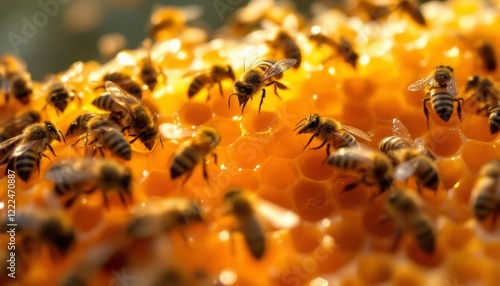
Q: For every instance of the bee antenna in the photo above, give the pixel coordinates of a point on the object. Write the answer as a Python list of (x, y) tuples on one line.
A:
[(297, 125), (229, 99), (62, 135)]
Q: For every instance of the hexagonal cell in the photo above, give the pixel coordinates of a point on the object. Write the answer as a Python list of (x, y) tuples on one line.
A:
[(374, 222), (456, 236), (87, 214), (386, 106), (348, 232), (294, 110), (220, 108), (248, 152), (477, 128), (466, 269), (312, 200), (163, 157), (284, 143), (312, 166), (358, 115), (408, 276), (228, 129), (260, 124), (358, 88), (305, 237), (443, 141), (451, 170), (375, 268), (158, 184), (195, 113), (419, 256), (279, 173), (414, 120), (475, 154)]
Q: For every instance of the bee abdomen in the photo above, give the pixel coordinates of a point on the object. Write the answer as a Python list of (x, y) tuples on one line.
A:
[(254, 238), (442, 103), (118, 145), (197, 84), (26, 164), (494, 120), (183, 162), (429, 177), (392, 143), (484, 205), (293, 51), (105, 102), (424, 235)]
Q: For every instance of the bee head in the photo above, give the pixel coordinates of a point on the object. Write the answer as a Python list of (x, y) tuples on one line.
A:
[(210, 135), (52, 131), (192, 213), (443, 75), (309, 125), (60, 235), (472, 82)]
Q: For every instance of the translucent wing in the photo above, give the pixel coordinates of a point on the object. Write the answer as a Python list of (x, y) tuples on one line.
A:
[(21, 148), (126, 58), (7, 144), (473, 104), (19, 121), (355, 131), (73, 71), (278, 68), (120, 96), (405, 169), (419, 84), (278, 217), (251, 55), (195, 73), (174, 131), (69, 172), (452, 86), (400, 130)]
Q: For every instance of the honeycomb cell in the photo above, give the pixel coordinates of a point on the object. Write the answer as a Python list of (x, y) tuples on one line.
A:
[(419, 256), (443, 141), (312, 200), (386, 106), (451, 170), (305, 237), (158, 184), (87, 215), (414, 120), (248, 152), (476, 154), (375, 268), (358, 88), (477, 128), (466, 268), (358, 115), (228, 129), (355, 197), (284, 143), (220, 108), (463, 188), (163, 157), (195, 113), (347, 232), (456, 236), (260, 124), (292, 111), (376, 222), (312, 166), (278, 173), (408, 276)]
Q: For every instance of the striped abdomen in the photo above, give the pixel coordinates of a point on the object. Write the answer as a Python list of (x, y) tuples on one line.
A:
[(486, 199), (117, 144), (26, 164), (185, 161), (442, 102), (254, 236), (392, 143), (198, 83), (427, 174), (105, 102), (347, 163), (349, 140), (494, 119), (424, 234)]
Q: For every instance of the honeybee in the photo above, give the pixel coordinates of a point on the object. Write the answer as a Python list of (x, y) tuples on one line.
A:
[(284, 40), (412, 162), (30, 145), (486, 93), (78, 176), (137, 118), (330, 132), (373, 167), (203, 142), (245, 211), (257, 77), (106, 134), (16, 81), (59, 93), (402, 140), (486, 192), (413, 10), (441, 92), (343, 46), (44, 227), (125, 82), (14, 127), (79, 125), (149, 71), (164, 216), (207, 78), (407, 210), (168, 22), (487, 54)]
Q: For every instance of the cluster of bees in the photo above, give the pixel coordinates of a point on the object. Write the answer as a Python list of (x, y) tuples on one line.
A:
[(125, 118)]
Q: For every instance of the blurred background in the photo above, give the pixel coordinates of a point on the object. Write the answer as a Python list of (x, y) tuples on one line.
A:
[(49, 35)]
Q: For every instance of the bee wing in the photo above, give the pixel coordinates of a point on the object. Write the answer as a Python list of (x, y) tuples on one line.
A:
[(419, 84), (195, 73), (400, 130), (251, 55), (355, 131), (19, 121), (126, 58), (405, 169), (473, 104), (21, 148), (73, 71), (8, 143), (174, 131), (120, 96), (70, 172), (278, 217), (452, 86), (278, 68)]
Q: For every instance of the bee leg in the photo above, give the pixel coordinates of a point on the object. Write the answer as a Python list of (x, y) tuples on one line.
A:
[(122, 198), (262, 98), (208, 94), (459, 107), (351, 186), (220, 89), (318, 147), (135, 139), (310, 140), (161, 142), (105, 199), (188, 175), (205, 173), (426, 111), (51, 149), (327, 153), (214, 155), (126, 128)]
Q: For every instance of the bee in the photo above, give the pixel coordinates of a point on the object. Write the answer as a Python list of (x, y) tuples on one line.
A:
[(486, 192), (105, 133), (76, 177), (485, 92), (330, 132), (137, 118), (245, 210), (343, 47), (369, 11), (413, 10), (79, 125), (125, 82), (25, 157), (408, 211), (14, 127), (412, 162), (402, 140), (148, 71), (203, 142), (44, 227), (487, 54), (59, 93), (207, 78), (372, 167), (16, 81), (284, 42), (169, 22), (257, 77), (441, 92), (164, 216)]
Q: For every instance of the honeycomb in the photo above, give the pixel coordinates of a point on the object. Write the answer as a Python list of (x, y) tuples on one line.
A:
[(339, 239)]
